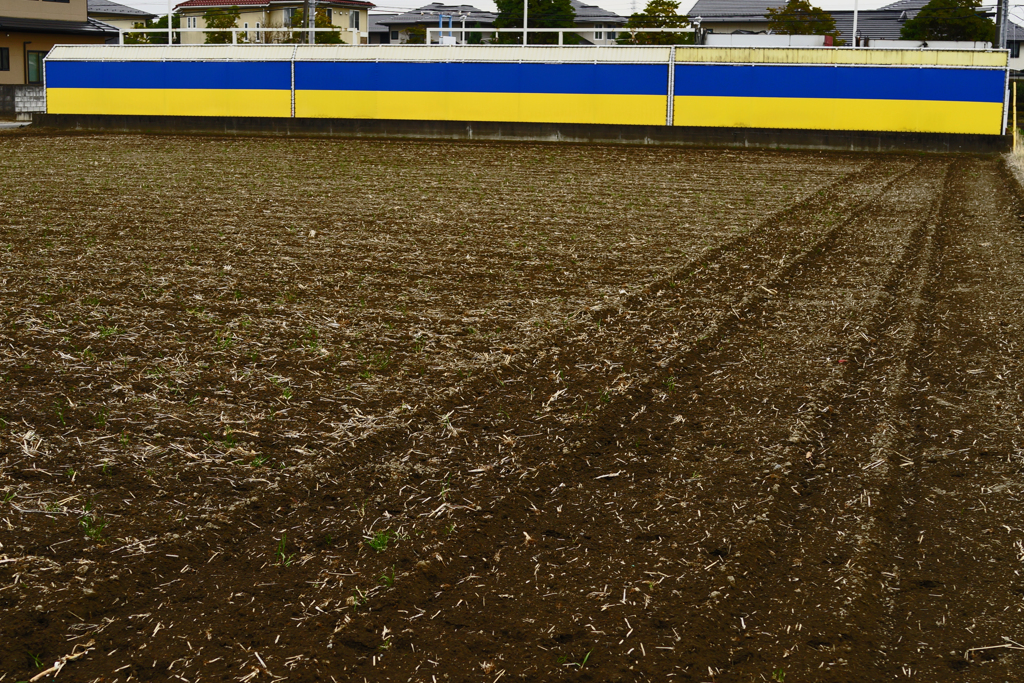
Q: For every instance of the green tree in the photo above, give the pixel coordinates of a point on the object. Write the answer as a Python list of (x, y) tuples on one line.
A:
[(154, 38), (801, 18), (950, 20), (220, 18), (320, 20), (417, 35), (541, 14), (657, 14)]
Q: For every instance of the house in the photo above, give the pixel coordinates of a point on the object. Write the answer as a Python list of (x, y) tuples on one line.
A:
[(410, 27), (433, 15), (350, 16), (28, 29), (592, 17), (731, 16), (377, 29), (750, 16), (117, 15), (1014, 39)]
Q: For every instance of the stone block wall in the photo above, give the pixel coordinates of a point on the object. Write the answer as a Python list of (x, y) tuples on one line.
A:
[(22, 100)]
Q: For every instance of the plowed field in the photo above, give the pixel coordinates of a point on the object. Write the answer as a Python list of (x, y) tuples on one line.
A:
[(316, 410)]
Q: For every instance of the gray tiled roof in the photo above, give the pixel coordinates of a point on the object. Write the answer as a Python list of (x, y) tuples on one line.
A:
[(109, 7), (734, 11), (591, 14), (429, 14), (904, 5), (374, 25)]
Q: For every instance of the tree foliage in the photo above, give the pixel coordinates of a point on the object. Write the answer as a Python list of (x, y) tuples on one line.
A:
[(950, 20), (657, 14), (218, 17), (153, 38), (417, 35), (801, 18), (320, 20), (541, 14)]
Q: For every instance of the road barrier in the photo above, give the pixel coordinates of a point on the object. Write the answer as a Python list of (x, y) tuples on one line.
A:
[(830, 89)]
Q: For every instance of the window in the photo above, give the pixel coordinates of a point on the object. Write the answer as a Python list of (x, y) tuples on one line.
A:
[(353, 20), (598, 35), (259, 33), (191, 22), (610, 35), (289, 14), (1015, 49), (34, 66), (5, 59), (330, 15), (394, 35)]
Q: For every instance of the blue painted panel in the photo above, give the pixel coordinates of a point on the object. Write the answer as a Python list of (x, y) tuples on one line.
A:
[(170, 75), (846, 82), (970, 85), (584, 79)]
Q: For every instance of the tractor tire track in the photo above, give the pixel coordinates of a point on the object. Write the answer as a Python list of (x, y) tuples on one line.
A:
[(539, 469)]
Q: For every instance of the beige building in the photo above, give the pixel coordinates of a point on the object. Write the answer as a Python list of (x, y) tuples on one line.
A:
[(349, 16), (28, 29), (117, 15)]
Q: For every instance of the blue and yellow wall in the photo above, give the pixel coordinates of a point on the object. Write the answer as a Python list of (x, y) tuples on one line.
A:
[(928, 91)]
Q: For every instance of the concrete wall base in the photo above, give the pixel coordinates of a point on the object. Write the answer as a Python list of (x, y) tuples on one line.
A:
[(547, 132)]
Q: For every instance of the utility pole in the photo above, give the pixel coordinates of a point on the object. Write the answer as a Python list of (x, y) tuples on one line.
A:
[(305, 16), (1002, 19), (170, 32), (312, 22), (1005, 4), (855, 24), (524, 20)]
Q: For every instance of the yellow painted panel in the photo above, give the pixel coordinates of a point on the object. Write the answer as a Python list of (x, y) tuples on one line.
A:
[(919, 116), (818, 55), (156, 102), (459, 106)]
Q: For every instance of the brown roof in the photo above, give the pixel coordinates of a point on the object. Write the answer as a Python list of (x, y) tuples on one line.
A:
[(90, 27)]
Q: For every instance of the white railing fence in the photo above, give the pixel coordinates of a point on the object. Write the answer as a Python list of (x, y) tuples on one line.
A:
[(255, 35), (560, 31), (252, 35)]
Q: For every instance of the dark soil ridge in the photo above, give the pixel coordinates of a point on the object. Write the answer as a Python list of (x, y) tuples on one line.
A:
[(678, 530)]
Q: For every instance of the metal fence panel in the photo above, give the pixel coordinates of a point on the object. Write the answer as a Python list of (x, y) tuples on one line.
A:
[(172, 53), (483, 53)]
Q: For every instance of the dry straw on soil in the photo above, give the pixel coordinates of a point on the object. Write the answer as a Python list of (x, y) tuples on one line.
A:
[(318, 410)]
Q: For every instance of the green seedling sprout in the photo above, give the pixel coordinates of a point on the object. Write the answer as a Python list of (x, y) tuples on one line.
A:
[(388, 579), (282, 555), (380, 541)]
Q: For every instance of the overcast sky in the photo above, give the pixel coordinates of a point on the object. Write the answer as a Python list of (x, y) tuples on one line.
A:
[(622, 7)]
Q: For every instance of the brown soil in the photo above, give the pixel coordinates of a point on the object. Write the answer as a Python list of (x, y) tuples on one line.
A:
[(402, 411)]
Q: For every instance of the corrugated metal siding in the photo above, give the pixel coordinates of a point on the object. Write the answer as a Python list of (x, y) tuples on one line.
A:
[(518, 53), (482, 53), (795, 55), (169, 53)]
